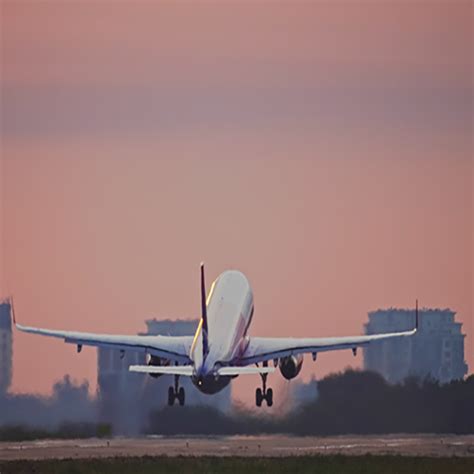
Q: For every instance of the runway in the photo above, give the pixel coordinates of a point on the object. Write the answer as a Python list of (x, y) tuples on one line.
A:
[(250, 446)]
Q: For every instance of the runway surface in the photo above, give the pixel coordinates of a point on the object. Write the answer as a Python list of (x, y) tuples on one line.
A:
[(253, 446)]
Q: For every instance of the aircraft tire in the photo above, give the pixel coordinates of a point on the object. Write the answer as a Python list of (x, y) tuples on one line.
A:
[(181, 396), (258, 397), (269, 397), (170, 396)]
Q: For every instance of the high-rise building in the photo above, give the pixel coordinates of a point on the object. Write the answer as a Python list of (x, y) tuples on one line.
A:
[(5, 346), (436, 350), (119, 390), (126, 398)]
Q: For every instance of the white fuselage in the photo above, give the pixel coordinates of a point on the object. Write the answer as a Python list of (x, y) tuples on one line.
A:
[(229, 313)]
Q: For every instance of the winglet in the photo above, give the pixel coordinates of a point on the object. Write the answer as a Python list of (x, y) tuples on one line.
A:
[(416, 315), (205, 343), (12, 310)]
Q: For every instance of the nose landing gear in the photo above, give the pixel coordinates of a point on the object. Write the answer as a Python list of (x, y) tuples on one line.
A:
[(176, 393), (264, 393)]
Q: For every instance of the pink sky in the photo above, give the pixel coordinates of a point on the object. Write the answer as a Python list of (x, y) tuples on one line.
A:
[(323, 150)]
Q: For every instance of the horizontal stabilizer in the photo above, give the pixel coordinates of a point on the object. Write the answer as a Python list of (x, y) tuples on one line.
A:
[(230, 371), (186, 370)]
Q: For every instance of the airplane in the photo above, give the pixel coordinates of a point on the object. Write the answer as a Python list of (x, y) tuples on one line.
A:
[(221, 349)]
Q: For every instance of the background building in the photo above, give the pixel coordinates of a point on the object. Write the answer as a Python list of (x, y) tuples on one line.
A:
[(5, 346), (119, 391), (436, 350), (126, 398)]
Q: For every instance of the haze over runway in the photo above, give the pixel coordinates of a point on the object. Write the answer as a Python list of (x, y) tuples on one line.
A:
[(324, 150)]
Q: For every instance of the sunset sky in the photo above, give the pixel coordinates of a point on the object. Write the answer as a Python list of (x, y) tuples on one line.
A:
[(324, 149)]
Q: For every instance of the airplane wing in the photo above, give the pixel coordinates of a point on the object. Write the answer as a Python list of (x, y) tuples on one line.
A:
[(175, 348), (261, 349)]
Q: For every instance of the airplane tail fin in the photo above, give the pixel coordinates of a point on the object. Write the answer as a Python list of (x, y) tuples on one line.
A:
[(205, 332)]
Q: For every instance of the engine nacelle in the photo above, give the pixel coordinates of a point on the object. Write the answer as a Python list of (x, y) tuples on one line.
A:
[(290, 366), (155, 360)]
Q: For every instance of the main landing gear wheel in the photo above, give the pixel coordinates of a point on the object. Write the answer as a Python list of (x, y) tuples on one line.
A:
[(258, 397), (181, 396), (264, 393), (170, 396), (269, 397), (176, 393)]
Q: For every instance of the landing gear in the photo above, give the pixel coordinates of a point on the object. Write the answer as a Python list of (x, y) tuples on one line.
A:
[(264, 393), (258, 397), (176, 392), (181, 396), (269, 397), (170, 396)]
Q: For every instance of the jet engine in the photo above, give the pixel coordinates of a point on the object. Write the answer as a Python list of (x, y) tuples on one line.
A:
[(155, 360), (290, 366)]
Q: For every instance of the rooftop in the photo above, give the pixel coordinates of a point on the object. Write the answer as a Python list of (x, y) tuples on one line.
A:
[(412, 310)]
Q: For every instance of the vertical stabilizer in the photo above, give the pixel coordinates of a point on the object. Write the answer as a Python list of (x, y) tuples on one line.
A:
[(205, 343)]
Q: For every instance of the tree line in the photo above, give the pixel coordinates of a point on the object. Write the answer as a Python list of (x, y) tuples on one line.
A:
[(355, 402)]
